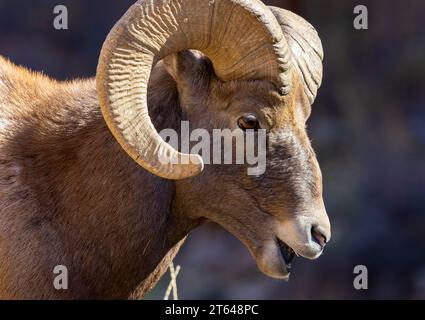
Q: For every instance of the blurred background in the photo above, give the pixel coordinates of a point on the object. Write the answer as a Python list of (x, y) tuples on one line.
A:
[(368, 129)]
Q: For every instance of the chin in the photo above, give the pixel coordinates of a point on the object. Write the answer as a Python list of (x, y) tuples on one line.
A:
[(274, 259)]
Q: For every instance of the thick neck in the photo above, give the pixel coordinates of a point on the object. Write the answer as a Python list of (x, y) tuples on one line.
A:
[(138, 209), (92, 208), (117, 218)]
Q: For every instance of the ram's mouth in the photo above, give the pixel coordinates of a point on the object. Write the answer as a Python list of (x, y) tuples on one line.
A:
[(287, 254)]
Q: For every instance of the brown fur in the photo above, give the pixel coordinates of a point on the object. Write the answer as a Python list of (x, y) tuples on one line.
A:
[(69, 195)]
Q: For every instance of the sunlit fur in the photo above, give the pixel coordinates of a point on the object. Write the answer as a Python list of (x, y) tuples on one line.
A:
[(69, 195)]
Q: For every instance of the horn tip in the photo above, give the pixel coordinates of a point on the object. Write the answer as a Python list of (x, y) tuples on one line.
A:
[(197, 162)]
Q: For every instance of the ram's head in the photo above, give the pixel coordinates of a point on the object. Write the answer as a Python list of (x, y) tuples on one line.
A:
[(260, 68)]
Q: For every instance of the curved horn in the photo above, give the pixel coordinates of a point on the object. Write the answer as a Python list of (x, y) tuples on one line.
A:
[(306, 48), (241, 37)]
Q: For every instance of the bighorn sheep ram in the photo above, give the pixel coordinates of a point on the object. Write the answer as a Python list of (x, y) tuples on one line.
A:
[(80, 180)]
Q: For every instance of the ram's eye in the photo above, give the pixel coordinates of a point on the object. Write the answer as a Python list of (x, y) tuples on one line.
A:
[(248, 122)]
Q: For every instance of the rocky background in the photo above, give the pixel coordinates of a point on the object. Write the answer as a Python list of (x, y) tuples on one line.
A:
[(368, 128)]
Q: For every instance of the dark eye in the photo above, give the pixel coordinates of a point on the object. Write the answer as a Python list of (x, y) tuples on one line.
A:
[(248, 122)]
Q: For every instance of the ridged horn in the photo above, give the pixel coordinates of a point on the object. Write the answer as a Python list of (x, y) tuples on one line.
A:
[(241, 37), (306, 49)]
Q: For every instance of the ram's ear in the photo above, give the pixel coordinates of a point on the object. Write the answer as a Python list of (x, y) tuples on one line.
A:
[(189, 69), (306, 48)]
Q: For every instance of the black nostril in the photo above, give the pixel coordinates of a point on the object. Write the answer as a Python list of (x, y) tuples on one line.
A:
[(318, 237)]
